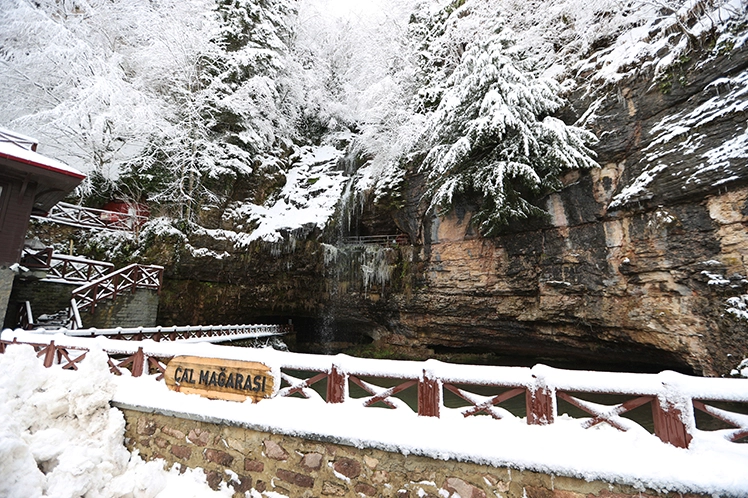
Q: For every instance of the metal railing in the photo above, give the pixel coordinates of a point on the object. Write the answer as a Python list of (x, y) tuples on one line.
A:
[(186, 333), (64, 268), (85, 217), (381, 240), (673, 398)]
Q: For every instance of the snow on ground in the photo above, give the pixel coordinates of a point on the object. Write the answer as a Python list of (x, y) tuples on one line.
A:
[(58, 436)]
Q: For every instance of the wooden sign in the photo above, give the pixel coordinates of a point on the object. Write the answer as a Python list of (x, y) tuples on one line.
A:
[(217, 378)]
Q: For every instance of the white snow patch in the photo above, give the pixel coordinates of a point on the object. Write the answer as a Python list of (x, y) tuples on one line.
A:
[(59, 437)]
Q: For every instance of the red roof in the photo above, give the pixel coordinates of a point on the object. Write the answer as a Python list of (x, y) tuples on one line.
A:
[(16, 153)]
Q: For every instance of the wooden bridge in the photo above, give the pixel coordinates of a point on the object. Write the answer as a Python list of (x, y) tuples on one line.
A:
[(63, 268), (677, 403)]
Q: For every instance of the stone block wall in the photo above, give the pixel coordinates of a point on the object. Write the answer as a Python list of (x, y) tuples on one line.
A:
[(138, 309), (45, 298), (6, 285), (247, 459), (129, 309)]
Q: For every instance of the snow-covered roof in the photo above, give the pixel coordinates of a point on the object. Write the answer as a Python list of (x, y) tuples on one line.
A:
[(20, 148)]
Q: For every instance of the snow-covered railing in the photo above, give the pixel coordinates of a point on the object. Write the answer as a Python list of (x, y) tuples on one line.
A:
[(381, 240), (674, 399), (25, 316), (64, 268), (186, 333), (127, 279), (36, 259), (85, 217)]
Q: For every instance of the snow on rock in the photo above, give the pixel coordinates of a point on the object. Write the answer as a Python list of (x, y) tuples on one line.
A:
[(60, 438), (313, 188)]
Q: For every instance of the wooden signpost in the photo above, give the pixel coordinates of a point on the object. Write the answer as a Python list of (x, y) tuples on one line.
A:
[(217, 378)]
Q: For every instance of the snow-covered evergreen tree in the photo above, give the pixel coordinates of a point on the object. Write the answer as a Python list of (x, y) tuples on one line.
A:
[(228, 120), (491, 139)]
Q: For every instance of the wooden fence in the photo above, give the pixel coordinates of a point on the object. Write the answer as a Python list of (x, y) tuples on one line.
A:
[(64, 268), (85, 217), (127, 279), (673, 399)]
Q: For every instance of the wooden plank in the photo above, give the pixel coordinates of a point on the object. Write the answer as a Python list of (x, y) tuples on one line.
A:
[(337, 382), (429, 396), (540, 405), (216, 378), (668, 424)]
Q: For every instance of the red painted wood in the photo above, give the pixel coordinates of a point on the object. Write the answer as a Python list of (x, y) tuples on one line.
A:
[(369, 390), (541, 409), (429, 396), (138, 362), (49, 354), (389, 392), (336, 385), (668, 424), (299, 388), (499, 398)]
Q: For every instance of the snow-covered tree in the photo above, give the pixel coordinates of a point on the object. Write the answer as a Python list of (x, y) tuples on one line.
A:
[(492, 138), (67, 79), (226, 119)]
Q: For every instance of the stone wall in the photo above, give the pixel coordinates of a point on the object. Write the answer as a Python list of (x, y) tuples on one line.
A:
[(138, 309), (45, 298), (129, 309), (6, 285), (246, 460)]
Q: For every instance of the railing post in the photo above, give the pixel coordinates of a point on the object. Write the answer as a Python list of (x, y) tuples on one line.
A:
[(337, 385), (138, 362), (95, 298), (429, 395), (49, 357), (135, 278), (540, 402), (669, 425)]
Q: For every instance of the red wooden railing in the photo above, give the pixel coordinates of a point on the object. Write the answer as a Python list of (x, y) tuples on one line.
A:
[(673, 398), (31, 258), (86, 217), (64, 268), (127, 279)]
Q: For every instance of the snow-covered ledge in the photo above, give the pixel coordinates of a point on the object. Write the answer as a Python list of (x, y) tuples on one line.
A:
[(711, 464)]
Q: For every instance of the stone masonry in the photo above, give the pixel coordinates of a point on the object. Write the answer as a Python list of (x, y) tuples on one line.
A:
[(247, 460)]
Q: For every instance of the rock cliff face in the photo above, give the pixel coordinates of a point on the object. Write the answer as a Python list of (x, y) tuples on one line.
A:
[(640, 256), (633, 270)]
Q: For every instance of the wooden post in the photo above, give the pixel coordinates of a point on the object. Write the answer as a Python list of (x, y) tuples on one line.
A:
[(429, 396), (337, 382), (540, 405), (49, 357), (138, 362), (668, 424)]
